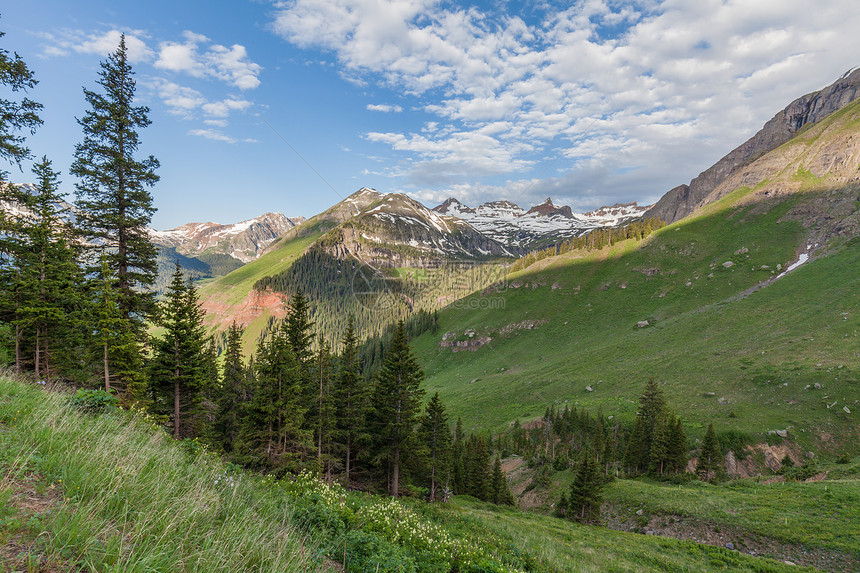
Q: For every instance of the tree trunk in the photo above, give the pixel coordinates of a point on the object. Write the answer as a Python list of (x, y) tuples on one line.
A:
[(176, 408), (348, 453), (36, 357), (395, 473), (107, 370), (17, 349)]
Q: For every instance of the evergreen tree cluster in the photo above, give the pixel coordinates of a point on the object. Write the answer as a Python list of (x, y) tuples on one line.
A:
[(344, 287), (593, 241), (76, 297)]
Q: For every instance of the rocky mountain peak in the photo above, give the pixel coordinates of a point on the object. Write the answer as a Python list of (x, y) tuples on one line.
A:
[(684, 199), (548, 209), (244, 241)]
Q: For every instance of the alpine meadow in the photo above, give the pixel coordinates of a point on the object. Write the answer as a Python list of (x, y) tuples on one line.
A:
[(449, 374)]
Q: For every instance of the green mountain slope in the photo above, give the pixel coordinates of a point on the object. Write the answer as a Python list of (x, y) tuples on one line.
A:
[(378, 258), (565, 329)]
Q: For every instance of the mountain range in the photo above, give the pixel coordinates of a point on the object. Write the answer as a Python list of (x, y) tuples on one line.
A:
[(509, 224), (243, 241)]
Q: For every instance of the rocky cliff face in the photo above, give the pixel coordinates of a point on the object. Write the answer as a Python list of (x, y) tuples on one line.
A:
[(684, 199), (244, 241)]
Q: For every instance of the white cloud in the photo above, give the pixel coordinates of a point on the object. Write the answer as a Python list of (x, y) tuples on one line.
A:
[(224, 107), (230, 65), (99, 43), (385, 108), (181, 100), (637, 96), (212, 134), (185, 101)]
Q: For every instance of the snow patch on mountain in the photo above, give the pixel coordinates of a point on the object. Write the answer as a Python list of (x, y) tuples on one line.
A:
[(245, 240), (510, 224)]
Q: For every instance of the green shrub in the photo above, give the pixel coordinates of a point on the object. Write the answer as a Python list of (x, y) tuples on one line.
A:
[(370, 552), (94, 401)]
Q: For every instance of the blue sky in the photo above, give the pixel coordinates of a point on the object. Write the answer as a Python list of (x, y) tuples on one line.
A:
[(290, 106)]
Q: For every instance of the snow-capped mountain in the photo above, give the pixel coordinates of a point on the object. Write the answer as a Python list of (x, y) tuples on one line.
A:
[(509, 224), (395, 230), (244, 241)]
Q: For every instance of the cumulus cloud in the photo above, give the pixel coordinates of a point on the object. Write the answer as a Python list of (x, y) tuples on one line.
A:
[(629, 97), (385, 108), (212, 134), (185, 101), (228, 64), (99, 43)]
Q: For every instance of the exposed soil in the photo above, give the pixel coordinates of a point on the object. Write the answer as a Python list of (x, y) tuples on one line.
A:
[(252, 307), (19, 547), (702, 531)]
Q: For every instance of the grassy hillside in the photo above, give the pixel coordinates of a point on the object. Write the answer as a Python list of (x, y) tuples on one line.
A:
[(231, 296), (742, 360), (815, 523), (134, 500)]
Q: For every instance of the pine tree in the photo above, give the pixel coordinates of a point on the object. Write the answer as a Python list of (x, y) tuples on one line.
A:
[(352, 400), (299, 328), (48, 274), (478, 468), (273, 434), (16, 116), (179, 361), (231, 393), (651, 405), (120, 351), (709, 456), (586, 491), (677, 447), (436, 436), (660, 445), (501, 493), (114, 204), (397, 402), (458, 468), (324, 406)]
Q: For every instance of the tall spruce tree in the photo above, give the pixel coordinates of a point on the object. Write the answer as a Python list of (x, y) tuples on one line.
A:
[(652, 405), (458, 468), (324, 407), (436, 436), (397, 403), (179, 363), (500, 492), (352, 399), (586, 491), (710, 458), (677, 447), (299, 329), (113, 201), (231, 392), (274, 434), (478, 468), (48, 275)]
